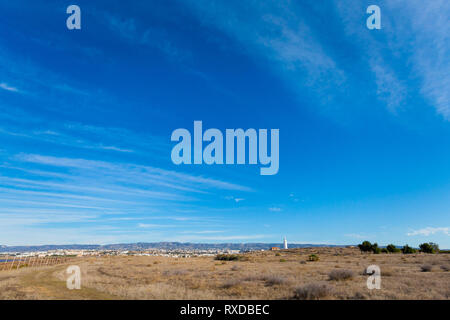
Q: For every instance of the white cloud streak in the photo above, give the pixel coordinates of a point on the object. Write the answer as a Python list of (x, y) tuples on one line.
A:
[(275, 32), (135, 173), (6, 87), (417, 33), (430, 231)]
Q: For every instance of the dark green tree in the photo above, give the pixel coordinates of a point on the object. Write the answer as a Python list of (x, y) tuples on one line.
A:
[(429, 247), (392, 248), (376, 249), (407, 249), (366, 246)]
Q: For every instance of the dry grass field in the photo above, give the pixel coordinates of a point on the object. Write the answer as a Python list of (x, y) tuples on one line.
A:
[(338, 274)]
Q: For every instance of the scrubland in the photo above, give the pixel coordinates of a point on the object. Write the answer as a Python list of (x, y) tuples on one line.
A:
[(339, 273)]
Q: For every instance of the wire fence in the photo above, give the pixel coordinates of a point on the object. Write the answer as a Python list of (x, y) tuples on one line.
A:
[(8, 263)]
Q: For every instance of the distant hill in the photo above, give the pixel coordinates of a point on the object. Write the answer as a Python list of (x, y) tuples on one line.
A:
[(160, 245)]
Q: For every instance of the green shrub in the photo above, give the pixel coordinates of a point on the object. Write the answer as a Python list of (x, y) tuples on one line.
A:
[(392, 248), (408, 250), (376, 249), (313, 257), (282, 260), (231, 257), (384, 250), (429, 247), (277, 254), (366, 246), (227, 257)]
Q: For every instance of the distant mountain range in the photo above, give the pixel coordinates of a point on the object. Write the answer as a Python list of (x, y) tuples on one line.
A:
[(160, 245)]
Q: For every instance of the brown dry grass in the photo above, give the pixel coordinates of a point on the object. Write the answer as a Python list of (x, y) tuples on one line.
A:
[(261, 276)]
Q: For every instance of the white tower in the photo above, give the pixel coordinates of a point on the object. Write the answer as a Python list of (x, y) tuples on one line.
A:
[(285, 243)]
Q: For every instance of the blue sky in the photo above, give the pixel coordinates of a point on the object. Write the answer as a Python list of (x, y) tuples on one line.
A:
[(86, 117)]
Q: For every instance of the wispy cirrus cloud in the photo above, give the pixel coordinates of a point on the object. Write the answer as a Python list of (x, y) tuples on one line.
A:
[(7, 87), (132, 31), (418, 34), (430, 231), (21, 124), (36, 80), (429, 39), (204, 232), (413, 44), (358, 236), (135, 173), (45, 192), (276, 32), (152, 225), (196, 237), (237, 200), (389, 88)]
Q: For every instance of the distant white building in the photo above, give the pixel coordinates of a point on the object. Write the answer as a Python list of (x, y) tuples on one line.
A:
[(285, 243)]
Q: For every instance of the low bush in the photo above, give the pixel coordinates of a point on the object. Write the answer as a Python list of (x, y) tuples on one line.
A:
[(426, 268), (230, 283), (175, 272), (359, 296), (341, 274), (228, 257), (275, 280), (313, 257), (313, 291), (252, 278)]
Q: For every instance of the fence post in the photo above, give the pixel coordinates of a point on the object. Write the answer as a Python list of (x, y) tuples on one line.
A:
[(6, 261), (12, 263)]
